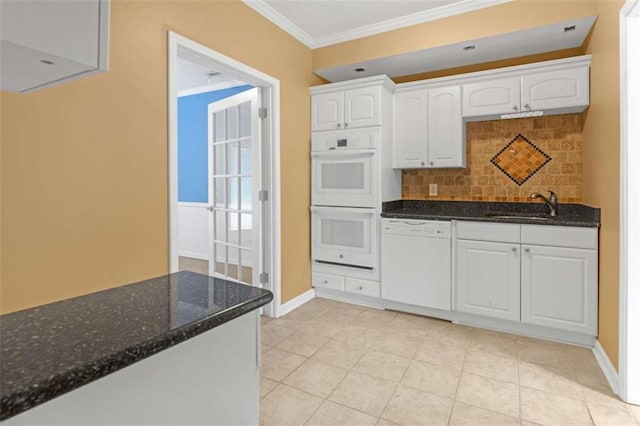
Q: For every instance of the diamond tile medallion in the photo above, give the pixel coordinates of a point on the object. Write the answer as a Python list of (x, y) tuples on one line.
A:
[(520, 159)]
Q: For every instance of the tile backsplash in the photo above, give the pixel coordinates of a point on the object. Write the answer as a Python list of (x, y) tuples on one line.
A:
[(558, 137)]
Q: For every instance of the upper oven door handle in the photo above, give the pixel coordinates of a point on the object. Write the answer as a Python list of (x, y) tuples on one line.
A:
[(342, 152)]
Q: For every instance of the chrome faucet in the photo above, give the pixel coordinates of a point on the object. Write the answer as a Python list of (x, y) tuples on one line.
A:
[(551, 202)]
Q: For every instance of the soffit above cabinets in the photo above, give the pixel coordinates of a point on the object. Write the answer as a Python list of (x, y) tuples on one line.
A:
[(548, 38), (319, 23)]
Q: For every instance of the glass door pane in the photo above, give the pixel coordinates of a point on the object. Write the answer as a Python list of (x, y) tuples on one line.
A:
[(233, 177)]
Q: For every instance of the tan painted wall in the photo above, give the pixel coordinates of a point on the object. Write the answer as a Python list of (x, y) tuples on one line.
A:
[(601, 160), (84, 165)]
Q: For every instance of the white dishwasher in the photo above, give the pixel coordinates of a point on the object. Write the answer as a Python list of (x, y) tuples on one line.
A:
[(416, 262)]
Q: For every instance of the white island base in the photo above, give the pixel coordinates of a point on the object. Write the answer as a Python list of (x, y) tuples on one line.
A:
[(210, 379)]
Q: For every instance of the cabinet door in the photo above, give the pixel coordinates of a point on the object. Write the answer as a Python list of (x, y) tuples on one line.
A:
[(556, 89), (493, 97), (410, 132), (44, 43), (445, 136), (327, 111), (362, 107), (560, 288), (487, 279)]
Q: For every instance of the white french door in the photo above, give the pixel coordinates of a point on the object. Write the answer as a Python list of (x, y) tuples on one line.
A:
[(234, 183)]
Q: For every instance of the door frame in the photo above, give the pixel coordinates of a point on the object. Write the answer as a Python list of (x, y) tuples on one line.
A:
[(629, 335), (269, 88)]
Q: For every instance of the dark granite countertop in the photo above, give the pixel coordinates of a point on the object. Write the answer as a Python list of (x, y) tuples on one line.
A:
[(568, 214), (52, 349)]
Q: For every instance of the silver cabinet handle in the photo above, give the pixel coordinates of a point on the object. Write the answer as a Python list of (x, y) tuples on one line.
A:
[(527, 107), (431, 163), (513, 249), (346, 125), (210, 208), (341, 256), (527, 250), (339, 125), (515, 107)]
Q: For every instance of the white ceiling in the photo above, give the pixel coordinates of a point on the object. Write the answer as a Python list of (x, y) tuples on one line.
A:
[(319, 23), (510, 45)]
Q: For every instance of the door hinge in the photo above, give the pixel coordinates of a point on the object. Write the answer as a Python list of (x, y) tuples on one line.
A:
[(263, 195), (262, 113), (264, 278)]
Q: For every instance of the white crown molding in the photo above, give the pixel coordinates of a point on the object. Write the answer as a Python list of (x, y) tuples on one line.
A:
[(406, 21), (274, 16), (211, 88)]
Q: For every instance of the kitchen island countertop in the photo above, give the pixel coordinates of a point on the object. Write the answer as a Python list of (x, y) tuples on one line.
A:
[(52, 349)]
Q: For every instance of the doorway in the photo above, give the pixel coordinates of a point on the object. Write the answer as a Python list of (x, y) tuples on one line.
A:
[(629, 359), (241, 229)]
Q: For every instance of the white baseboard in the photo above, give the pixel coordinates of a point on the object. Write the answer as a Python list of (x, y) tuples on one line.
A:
[(296, 302), (607, 368), (194, 255)]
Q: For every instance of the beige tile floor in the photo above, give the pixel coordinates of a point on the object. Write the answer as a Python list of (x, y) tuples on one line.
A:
[(331, 363)]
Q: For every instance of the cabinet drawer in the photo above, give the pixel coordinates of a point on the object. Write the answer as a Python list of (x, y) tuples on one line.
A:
[(560, 236), (486, 231), (327, 281), (368, 288)]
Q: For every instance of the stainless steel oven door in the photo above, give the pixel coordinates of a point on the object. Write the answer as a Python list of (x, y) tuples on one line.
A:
[(346, 236)]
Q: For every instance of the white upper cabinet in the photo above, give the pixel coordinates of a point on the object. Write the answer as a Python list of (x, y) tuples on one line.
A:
[(347, 109), (491, 97), (556, 89), (327, 111), (362, 107), (49, 42), (428, 128), (410, 129), (445, 135)]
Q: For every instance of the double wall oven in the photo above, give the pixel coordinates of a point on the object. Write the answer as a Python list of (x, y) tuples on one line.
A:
[(344, 195)]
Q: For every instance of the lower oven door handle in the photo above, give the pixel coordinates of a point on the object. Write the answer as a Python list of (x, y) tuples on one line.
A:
[(343, 210), (343, 152)]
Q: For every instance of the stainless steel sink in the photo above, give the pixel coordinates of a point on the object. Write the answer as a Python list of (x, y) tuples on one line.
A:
[(519, 216)]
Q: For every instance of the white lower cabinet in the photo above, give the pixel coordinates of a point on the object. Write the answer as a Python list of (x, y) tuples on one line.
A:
[(334, 282), (543, 279), (488, 279), (364, 287), (560, 288)]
